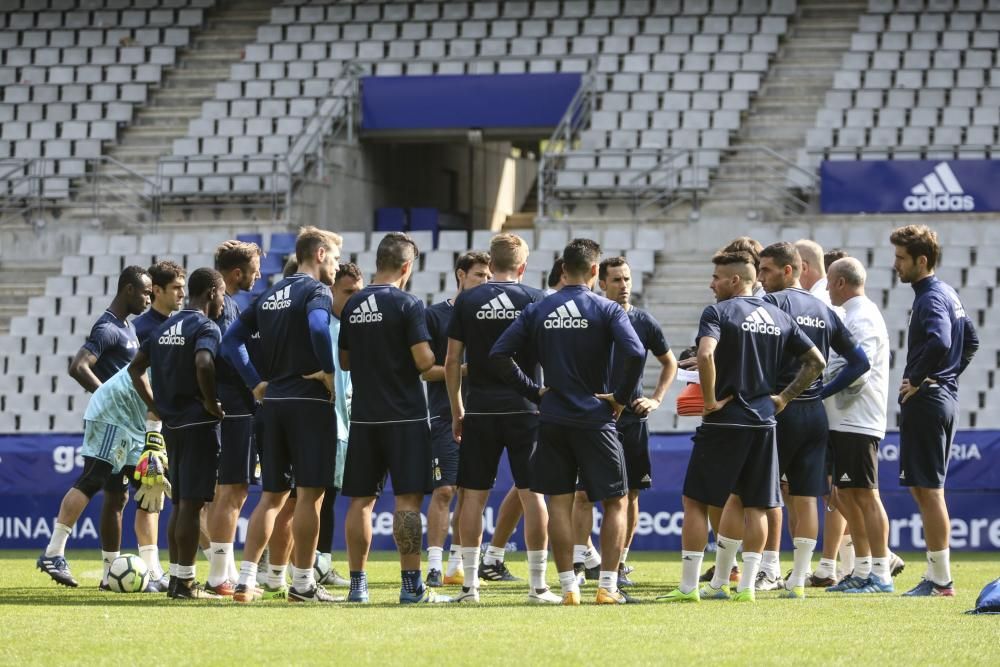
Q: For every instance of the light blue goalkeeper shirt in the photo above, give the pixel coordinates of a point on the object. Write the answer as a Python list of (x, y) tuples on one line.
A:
[(116, 402)]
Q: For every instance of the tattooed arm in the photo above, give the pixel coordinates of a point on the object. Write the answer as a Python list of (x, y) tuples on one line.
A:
[(812, 365)]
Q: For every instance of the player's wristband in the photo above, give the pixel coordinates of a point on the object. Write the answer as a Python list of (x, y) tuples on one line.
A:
[(152, 425)]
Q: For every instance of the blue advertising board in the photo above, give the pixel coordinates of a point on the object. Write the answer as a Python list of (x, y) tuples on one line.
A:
[(36, 470), (909, 186)]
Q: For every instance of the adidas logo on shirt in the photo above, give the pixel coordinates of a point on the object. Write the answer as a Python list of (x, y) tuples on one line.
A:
[(813, 322), (646, 479), (172, 336), (499, 308), (845, 477), (279, 300), (939, 191), (366, 313), (759, 321), (566, 316)]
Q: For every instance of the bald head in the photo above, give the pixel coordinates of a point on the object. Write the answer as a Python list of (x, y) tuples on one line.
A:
[(845, 280), (813, 268)]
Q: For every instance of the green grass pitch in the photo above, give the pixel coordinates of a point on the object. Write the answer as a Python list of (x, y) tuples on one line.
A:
[(42, 623)]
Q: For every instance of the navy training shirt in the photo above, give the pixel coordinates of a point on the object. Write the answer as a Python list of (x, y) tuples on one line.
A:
[(113, 342), (378, 326), (237, 399), (285, 353), (572, 332), (651, 336), (941, 339), (482, 314), (821, 324), (171, 349), (145, 324), (438, 317), (756, 339)]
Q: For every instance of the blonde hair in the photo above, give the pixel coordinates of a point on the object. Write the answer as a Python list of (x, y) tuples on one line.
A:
[(812, 254), (508, 252), (311, 239)]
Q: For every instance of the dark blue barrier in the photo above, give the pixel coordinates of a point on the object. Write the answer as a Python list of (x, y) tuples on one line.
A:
[(910, 186), (35, 472), (463, 101)]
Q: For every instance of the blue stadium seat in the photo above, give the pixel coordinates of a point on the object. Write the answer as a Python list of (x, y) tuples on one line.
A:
[(390, 219), (272, 263), (282, 244), (244, 299), (252, 238)]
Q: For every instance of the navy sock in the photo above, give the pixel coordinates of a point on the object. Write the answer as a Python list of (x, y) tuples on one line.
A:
[(411, 581), (359, 581)]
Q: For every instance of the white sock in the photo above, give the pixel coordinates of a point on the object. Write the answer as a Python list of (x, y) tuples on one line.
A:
[(725, 558), (802, 557), (862, 566), (592, 559), (771, 564), (624, 556), (537, 562), (248, 574), (454, 560), (150, 555), (846, 555), (579, 553), (303, 579), (825, 569), (232, 572), (609, 580), (172, 569), (567, 581), (470, 563), (277, 575), (107, 557), (880, 569), (434, 557), (57, 543), (493, 555), (939, 565), (751, 564), (690, 570), (218, 566), (185, 572), (208, 553)]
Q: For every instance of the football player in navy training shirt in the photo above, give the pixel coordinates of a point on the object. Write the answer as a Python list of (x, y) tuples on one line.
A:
[(941, 343), (385, 345), (495, 417), (802, 428), (169, 280), (472, 269), (572, 333), (615, 278), (295, 384), (239, 264), (744, 342), (181, 353)]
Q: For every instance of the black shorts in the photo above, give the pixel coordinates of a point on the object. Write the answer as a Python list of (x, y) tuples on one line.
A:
[(236, 461), (634, 436), (484, 438), (444, 454), (926, 431), (732, 460), (193, 453), (300, 439), (98, 473), (401, 449), (802, 433), (855, 460), (565, 452)]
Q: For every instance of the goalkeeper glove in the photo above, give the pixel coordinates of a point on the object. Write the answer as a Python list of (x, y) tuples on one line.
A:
[(152, 465), (149, 497)]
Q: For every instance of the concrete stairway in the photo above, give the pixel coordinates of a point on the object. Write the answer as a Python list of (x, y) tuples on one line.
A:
[(19, 281)]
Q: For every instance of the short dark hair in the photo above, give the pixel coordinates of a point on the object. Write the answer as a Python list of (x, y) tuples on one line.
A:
[(580, 255), (202, 280), (469, 259), (131, 275), (610, 263), (349, 270), (291, 266), (743, 260), (832, 256), (918, 240), (235, 254), (748, 245), (394, 250), (165, 272), (555, 273), (784, 254)]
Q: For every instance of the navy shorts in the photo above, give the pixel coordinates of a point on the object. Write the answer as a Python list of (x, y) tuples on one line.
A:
[(98, 473), (926, 431), (484, 438), (855, 460), (401, 449), (566, 454), (732, 460), (803, 433), (236, 461), (193, 453), (444, 454), (634, 436), (300, 439)]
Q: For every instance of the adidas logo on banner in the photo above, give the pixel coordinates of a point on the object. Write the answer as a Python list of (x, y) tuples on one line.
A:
[(499, 308), (366, 313), (566, 316), (279, 300), (172, 336), (759, 321), (939, 191)]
